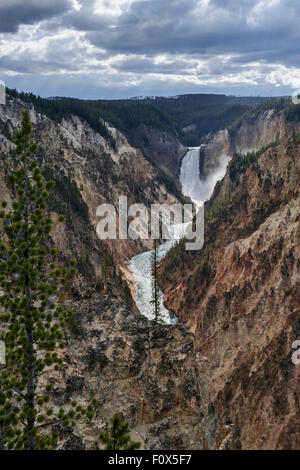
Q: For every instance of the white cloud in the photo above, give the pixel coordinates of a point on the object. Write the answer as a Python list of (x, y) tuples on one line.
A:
[(112, 7), (154, 45), (284, 76)]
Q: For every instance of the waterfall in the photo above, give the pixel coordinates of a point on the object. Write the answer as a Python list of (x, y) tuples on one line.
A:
[(198, 190), (190, 175)]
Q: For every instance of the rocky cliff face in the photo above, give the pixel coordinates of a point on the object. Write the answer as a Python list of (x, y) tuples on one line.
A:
[(229, 381), (240, 295), (161, 148), (250, 134), (151, 374)]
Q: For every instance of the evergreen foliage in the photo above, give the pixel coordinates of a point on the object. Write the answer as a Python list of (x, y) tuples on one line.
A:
[(293, 113), (205, 112), (125, 115), (218, 207), (239, 164), (296, 138), (118, 437), (33, 322)]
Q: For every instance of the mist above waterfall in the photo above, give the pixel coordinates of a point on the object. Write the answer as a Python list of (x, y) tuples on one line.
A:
[(197, 189)]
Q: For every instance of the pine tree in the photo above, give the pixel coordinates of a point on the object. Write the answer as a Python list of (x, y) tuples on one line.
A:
[(32, 325), (118, 437), (155, 283)]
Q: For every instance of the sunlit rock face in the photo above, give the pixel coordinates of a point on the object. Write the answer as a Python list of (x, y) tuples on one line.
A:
[(240, 295), (250, 134)]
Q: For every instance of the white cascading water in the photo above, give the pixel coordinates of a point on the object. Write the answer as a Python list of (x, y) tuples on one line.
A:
[(190, 175), (141, 268), (140, 265), (199, 190)]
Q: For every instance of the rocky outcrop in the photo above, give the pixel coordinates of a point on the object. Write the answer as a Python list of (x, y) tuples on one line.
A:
[(229, 435), (251, 133), (239, 295), (149, 373)]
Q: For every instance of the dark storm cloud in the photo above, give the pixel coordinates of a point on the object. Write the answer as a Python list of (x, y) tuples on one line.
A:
[(14, 13), (268, 31), (30, 65), (150, 46)]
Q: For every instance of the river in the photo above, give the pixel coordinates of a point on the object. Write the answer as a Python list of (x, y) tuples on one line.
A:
[(140, 265)]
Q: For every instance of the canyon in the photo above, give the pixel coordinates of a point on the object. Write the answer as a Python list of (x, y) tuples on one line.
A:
[(239, 295), (222, 376), (147, 372)]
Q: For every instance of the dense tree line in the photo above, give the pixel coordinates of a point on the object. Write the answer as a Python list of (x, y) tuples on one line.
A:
[(125, 115), (59, 108), (207, 112)]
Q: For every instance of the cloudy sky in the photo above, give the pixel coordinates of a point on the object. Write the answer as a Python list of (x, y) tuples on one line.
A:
[(124, 48)]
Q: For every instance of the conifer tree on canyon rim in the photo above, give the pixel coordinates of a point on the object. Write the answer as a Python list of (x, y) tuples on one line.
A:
[(32, 320)]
